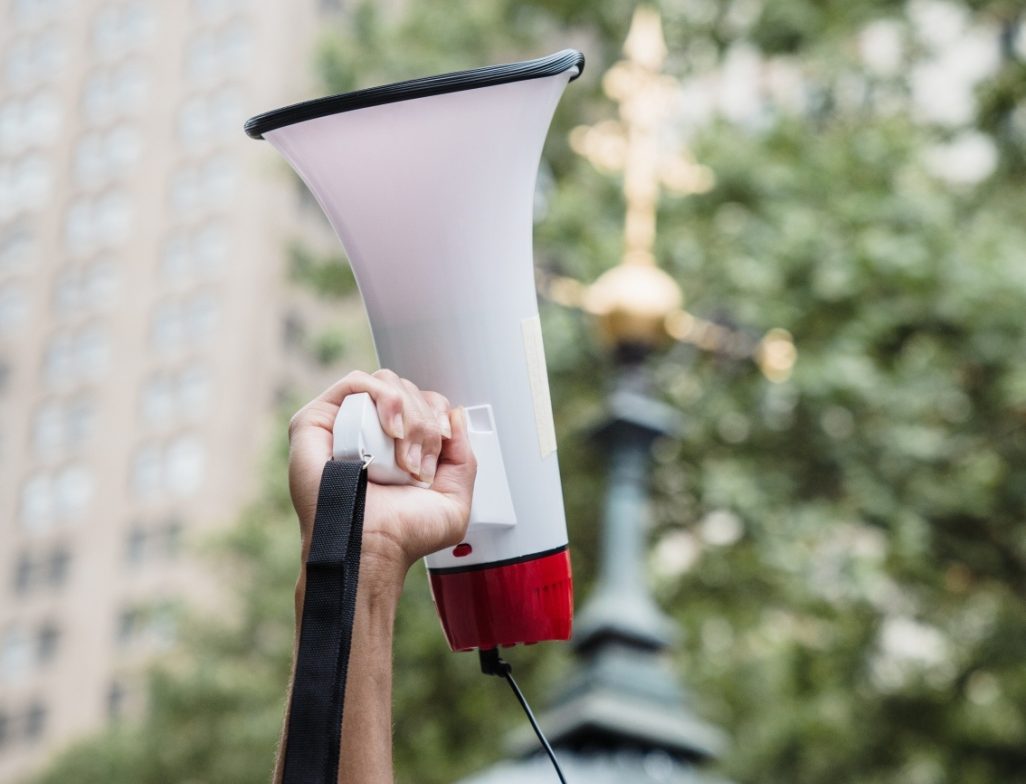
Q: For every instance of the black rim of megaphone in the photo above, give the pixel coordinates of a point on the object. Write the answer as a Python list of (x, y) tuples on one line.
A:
[(490, 75)]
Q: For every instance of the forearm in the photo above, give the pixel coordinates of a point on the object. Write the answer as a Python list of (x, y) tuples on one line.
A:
[(366, 748), (366, 752)]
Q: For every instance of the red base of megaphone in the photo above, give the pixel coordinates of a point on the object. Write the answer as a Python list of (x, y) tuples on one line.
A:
[(525, 601)]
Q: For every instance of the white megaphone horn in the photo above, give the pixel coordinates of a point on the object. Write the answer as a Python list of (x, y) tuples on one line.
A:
[(430, 184)]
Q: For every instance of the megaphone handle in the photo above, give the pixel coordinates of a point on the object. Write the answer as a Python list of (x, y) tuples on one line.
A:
[(359, 436)]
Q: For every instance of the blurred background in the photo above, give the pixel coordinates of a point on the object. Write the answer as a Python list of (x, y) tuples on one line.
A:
[(836, 544)]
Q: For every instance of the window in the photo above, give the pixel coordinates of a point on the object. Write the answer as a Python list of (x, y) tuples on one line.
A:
[(135, 545), (24, 185), (201, 315), (48, 429), (176, 468), (209, 118), (184, 465), (152, 625), (16, 246), (119, 29), (15, 653), (214, 9), (129, 625), (117, 91), (183, 322), (48, 569), (167, 330), (35, 721), (58, 566), (92, 287), (74, 486), (53, 497), (147, 470), (72, 357), (28, 122), (103, 156), (210, 246), (100, 284), (21, 650), (28, 725), (37, 511), (116, 697), (47, 639), (153, 542), (158, 400), (92, 223), (35, 59), (204, 187), (170, 397), (24, 572), (213, 54), (176, 258), (193, 391), (93, 351), (60, 427), (13, 308), (190, 255), (29, 12)]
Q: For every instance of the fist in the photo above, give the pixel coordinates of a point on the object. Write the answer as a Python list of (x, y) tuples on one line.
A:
[(402, 523)]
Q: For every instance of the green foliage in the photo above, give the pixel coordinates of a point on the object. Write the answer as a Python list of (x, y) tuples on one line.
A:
[(846, 551), (329, 276), (329, 346)]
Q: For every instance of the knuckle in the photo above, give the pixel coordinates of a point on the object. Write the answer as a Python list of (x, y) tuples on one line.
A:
[(296, 422), (424, 428), (355, 375), (390, 399), (437, 401), (356, 378), (410, 387), (385, 374)]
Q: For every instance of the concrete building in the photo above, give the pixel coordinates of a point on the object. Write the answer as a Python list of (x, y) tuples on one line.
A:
[(142, 301)]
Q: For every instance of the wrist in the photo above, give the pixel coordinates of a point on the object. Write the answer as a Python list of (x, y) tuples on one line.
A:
[(381, 578), (381, 582)]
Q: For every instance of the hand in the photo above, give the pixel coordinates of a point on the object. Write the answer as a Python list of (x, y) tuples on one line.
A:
[(402, 523)]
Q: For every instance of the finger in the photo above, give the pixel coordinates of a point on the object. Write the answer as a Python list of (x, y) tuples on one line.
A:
[(387, 397), (424, 439), (441, 406), (457, 466)]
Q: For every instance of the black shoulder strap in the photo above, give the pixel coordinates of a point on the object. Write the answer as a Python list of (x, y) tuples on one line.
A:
[(329, 607)]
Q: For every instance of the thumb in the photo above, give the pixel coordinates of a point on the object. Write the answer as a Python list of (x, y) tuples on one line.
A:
[(457, 466)]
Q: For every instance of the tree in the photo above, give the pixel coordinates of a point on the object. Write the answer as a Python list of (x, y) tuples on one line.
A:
[(846, 551)]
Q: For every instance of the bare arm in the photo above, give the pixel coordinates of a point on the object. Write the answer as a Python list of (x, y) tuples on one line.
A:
[(401, 525)]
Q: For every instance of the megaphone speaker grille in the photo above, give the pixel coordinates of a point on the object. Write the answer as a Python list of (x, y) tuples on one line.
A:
[(523, 602)]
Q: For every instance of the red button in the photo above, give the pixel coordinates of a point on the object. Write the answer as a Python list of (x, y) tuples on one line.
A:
[(462, 550)]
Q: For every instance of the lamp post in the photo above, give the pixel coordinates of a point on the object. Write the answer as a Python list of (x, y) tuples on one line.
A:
[(623, 716)]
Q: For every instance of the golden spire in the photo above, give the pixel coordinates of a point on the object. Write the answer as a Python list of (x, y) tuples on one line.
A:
[(636, 302), (636, 144)]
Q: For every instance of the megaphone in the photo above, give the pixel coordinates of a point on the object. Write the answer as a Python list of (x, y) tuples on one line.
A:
[(429, 184)]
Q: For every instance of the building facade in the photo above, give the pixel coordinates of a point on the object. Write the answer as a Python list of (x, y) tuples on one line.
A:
[(142, 299)]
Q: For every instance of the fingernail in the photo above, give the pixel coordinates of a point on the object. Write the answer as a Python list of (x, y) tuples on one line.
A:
[(444, 426), (413, 459), (427, 467), (397, 427)]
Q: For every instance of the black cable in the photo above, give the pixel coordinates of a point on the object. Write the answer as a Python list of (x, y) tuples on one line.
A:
[(492, 664)]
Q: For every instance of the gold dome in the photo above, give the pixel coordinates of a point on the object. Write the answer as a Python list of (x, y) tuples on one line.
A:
[(631, 303)]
